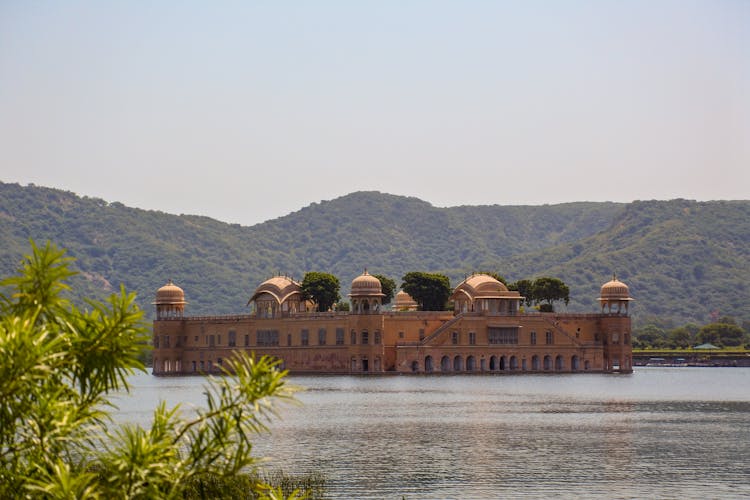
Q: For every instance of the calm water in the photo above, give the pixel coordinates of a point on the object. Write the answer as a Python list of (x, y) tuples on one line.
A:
[(660, 432)]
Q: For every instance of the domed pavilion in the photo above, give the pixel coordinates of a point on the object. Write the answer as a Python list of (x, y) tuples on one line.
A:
[(483, 293), (615, 295), (366, 294), (278, 296), (170, 301)]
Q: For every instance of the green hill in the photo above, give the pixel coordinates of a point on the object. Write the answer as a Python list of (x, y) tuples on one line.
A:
[(682, 259)]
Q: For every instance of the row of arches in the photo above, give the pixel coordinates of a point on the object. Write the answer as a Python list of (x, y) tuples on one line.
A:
[(366, 305), (499, 363)]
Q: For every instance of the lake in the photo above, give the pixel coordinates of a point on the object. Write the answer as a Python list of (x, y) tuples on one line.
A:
[(657, 433)]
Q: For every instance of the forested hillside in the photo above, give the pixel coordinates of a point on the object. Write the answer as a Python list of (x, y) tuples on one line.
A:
[(682, 259)]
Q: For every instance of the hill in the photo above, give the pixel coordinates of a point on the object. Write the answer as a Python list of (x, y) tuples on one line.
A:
[(682, 259)]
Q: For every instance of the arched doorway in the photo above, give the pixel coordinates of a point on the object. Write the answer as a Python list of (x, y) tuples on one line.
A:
[(458, 364), (547, 362), (493, 363), (574, 363), (471, 364), (502, 363), (513, 363), (445, 364), (428, 364), (535, 362), (559, 363)]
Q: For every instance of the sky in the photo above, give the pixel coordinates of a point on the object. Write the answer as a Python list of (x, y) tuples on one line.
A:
[(246, 111)]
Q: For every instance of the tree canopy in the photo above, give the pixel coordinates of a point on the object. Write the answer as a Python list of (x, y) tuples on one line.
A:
[(722, 335), (542, 291), (388, 287), (525, 288), (59, 366), (548, 290), (430, 290), (321, 288)]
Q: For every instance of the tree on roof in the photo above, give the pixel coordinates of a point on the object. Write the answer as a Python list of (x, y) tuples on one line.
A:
[(387, 286), (429, 290), (525, 288), (548, 290), (321, 288)]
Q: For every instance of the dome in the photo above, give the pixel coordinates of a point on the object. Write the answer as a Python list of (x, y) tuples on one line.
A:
[(404, 302), (279, 287), (170, 294), (485, 284), (367, 285), (615, 290)]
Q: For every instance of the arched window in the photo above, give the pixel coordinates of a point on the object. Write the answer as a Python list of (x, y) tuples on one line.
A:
[(471, 364), (535, 362), (559, 363), (547, 362)]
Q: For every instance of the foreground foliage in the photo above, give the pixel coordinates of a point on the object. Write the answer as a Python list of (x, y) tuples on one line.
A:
[(60, 365)]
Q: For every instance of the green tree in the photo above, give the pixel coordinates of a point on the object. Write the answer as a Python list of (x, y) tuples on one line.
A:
[(429, 290), (343, 305), (679, 338), (388, 287), (59, 366), (722, 335), (321, 288), (525, 288), (650, 336), (549, 290)]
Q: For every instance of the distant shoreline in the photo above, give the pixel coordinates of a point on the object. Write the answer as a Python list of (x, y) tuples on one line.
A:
[(691, 357)]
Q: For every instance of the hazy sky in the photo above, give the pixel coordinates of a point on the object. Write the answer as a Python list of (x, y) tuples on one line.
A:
[(246, 111)]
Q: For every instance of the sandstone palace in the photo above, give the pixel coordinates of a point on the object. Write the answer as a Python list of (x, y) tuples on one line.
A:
[(486, 332)]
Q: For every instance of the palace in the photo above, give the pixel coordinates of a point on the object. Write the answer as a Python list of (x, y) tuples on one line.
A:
[(487, 331)]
